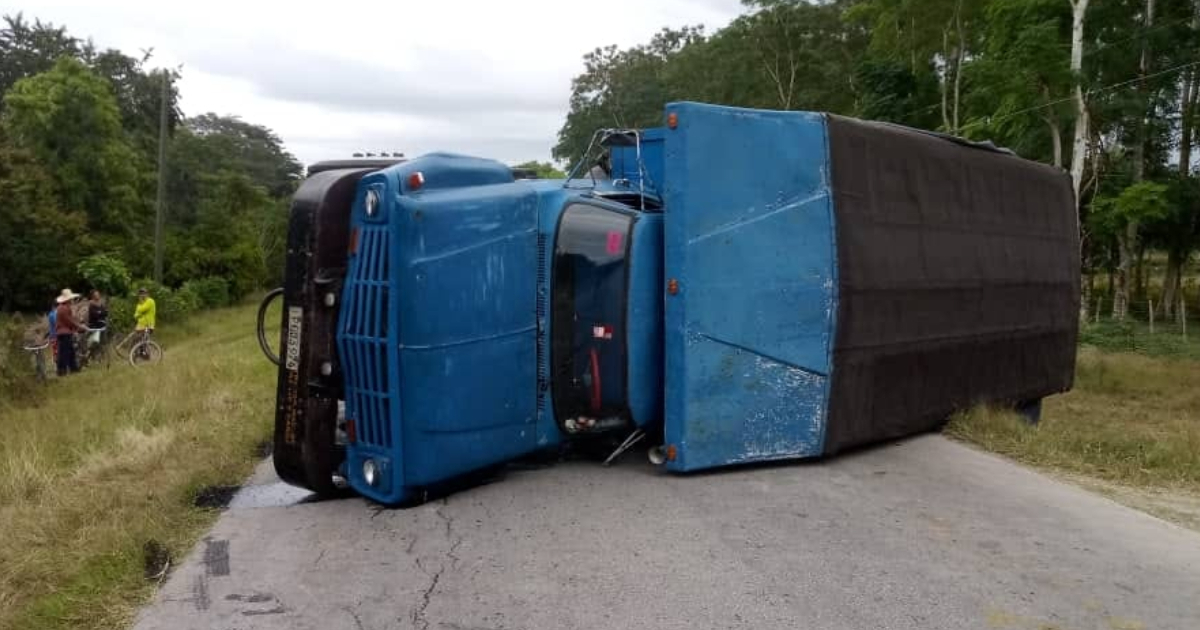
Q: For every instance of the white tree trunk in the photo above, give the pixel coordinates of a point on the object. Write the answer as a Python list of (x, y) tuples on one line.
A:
[(1055, 139), (1079, 146), (959, 53)]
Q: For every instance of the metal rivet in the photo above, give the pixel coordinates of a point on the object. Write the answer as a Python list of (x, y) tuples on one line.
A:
[(330, 299)]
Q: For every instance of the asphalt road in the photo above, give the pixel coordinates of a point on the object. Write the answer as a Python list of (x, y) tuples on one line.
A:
[(921, 535)]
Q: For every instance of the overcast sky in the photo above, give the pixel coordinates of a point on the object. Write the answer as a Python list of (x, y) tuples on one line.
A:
[(486, 78)]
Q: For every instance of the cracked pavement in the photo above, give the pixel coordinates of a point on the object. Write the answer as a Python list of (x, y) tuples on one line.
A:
[(921, 535)]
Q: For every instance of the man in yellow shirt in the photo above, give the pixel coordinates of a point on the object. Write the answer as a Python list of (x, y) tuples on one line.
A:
[(145, 312)]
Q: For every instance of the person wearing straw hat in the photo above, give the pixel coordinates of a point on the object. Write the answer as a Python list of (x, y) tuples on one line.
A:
[(66, 327)]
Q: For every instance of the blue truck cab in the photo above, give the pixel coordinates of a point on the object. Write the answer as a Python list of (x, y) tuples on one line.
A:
[(727, 289)]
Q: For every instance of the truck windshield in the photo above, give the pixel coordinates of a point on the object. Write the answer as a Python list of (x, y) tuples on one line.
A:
[(588, 313)]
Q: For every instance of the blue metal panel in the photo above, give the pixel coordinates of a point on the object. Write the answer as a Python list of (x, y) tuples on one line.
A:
[(645, 321), (625, 166), (749, 239), (467, 275), (438, 327)]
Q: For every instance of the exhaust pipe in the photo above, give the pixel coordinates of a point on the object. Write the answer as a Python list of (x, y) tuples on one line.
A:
[(657, 455)]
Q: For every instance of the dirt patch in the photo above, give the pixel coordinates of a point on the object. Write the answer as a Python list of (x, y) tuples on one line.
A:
[(215, 497), (1180, 508)]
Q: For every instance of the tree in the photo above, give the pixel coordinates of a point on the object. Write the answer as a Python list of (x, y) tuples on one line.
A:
[(139, 96), (252, 149), (38, 239), (1079, 144), (1018, 81), (1137, 204), (27, 49), (106, 273), (228, 192), (620, 88), (888, 90), (68, 120)]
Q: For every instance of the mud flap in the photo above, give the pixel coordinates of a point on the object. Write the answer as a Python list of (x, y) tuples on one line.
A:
[(306, 416)]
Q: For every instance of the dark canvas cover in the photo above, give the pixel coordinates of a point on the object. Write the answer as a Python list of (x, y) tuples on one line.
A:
[(958, 280)]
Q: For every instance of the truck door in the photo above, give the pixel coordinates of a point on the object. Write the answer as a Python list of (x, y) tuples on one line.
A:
[(750, 285)]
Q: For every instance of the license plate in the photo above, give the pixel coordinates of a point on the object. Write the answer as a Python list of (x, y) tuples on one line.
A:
[(295, 321)]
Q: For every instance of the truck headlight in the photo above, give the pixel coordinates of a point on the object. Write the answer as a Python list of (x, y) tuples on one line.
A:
[(370, 471), (371, 203)]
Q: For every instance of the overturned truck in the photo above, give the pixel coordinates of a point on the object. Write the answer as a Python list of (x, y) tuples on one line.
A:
[(737, 286)]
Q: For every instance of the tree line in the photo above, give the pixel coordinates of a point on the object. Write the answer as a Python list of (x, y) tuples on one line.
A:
[(79, 139), (1105, 89)]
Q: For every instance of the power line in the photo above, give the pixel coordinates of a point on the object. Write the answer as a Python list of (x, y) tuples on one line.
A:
[(1099, 90)]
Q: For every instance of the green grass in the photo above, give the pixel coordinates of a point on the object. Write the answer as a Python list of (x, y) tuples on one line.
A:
[(1134, 336), (100, 463), (1132, 419)]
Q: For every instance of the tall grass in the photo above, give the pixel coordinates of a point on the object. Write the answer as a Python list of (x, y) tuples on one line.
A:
[(1132, 419), (100, 464)]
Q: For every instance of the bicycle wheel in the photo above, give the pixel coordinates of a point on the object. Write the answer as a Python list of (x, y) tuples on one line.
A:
[(145, 353), (102, 354)]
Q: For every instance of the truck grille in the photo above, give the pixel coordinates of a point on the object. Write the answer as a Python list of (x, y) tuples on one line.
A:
[(363, 338)]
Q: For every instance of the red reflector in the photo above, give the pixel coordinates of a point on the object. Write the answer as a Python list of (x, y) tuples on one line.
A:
[(672, 453), (602, 332), (672, 120), (354, 241), (351, 436), (673, 286), (416, 180)]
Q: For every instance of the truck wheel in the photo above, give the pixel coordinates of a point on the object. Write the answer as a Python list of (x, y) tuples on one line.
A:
[(1031, 410)]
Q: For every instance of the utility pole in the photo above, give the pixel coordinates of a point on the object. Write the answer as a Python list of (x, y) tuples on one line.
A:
[(160, 201)]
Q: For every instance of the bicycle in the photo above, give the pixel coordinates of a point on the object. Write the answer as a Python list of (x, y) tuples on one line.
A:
[(39, 359), (98, 353), (143, 350)]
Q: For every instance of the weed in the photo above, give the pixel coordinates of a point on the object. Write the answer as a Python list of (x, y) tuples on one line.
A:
[(1131, 419), (99, 473)]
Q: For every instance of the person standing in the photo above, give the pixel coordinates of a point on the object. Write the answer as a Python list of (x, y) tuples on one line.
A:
[(66, 327), (145, 312), (97, 318), (52, 329)]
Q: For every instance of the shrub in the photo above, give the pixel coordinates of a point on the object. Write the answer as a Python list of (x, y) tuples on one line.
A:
[(105, 272), (172, 307), (16, 367), (120, 312), (213, 291), (186, 300)]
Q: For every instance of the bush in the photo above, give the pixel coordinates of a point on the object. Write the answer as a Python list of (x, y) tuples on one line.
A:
[(173, 307), (120, 312), (213, 291), (105, 272), (185, 300), (16, 367)]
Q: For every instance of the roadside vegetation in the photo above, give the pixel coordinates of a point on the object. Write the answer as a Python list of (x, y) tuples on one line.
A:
[(99, 472), (1130, 428)]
